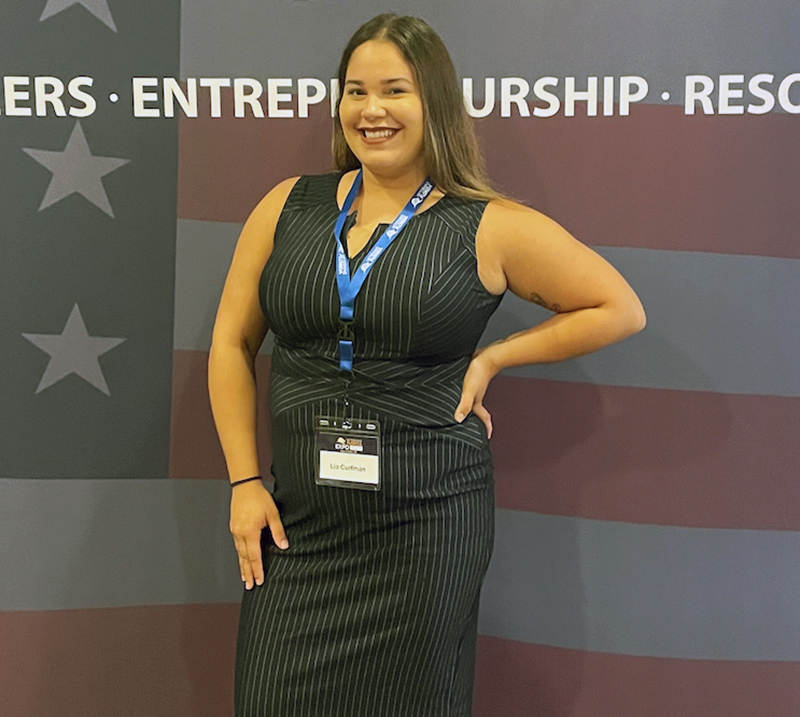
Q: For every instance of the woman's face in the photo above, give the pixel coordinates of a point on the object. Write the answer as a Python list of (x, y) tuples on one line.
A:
[(381, 111)]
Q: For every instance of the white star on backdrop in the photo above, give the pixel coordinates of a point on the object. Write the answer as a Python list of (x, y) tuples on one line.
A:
[(98, 8), (73, 351), (76, 169)]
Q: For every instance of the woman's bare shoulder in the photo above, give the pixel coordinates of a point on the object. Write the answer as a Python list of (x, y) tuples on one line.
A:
[(506, 217), (271, 204), (256, 238)]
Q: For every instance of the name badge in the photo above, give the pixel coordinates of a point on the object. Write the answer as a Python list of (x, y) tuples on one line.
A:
[(349, 452)]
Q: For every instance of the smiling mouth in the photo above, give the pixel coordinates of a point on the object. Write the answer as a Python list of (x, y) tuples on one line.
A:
[(383, 133)]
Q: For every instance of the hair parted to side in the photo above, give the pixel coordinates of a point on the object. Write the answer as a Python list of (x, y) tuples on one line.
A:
[(452, 157)]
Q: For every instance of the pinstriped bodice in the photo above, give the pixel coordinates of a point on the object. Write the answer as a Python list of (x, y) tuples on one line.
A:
[(417, 321)]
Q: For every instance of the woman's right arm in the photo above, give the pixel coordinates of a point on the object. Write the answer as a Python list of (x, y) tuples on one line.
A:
[(238, 333)]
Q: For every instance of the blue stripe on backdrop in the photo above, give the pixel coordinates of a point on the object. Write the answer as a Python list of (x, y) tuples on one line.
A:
[(569, 582), (643, 589), (113, 543), (661, 41), (203, 253), (716, 322)]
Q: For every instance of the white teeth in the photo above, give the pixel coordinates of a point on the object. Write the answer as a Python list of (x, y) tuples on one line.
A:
[(378, 133)]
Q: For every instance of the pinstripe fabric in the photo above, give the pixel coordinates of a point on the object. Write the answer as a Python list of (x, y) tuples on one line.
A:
[(373, 609)]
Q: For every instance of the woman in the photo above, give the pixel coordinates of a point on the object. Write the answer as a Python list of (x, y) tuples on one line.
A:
[(362, 575)]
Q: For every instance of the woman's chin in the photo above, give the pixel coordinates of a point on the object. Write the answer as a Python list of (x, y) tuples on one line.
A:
[(391, 167)]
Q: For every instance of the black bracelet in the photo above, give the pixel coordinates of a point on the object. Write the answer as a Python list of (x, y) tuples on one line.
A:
[(245, 480)]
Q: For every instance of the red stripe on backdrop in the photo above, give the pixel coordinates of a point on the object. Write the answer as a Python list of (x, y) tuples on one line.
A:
[(155, 661), (641, 455), (178, 661), (658, 179), (225, 165), (515, 679), (655, 179), (603, 452), (194, 450)]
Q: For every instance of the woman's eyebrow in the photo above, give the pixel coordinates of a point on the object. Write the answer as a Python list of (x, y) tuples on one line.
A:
[(383, 82)]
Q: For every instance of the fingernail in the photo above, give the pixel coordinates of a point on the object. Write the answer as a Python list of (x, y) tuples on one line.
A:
[(283, 544), (459, 417), (259, 581)]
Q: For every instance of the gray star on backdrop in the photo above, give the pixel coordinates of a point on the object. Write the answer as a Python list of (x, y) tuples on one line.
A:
[(73, 351), (98, 8), (76, 170)]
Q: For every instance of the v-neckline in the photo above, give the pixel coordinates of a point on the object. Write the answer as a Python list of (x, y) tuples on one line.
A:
[(351, 219), (376, 233)]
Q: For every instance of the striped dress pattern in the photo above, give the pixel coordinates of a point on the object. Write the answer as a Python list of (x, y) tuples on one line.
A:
[(372, 611)]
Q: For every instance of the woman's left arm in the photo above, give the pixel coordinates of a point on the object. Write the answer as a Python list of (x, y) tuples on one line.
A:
[(528, 253)]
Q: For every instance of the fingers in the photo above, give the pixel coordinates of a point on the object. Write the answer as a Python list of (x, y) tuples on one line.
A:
[(463, 409), (255, 566), (276, 528), (469, 404), (473, 390), (248, 548), (480, 411), (250, 566)]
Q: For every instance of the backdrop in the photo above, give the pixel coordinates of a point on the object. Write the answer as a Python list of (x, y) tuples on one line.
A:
[(647, 550)]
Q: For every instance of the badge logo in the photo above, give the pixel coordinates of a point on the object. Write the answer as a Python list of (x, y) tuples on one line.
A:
[(353, 445)]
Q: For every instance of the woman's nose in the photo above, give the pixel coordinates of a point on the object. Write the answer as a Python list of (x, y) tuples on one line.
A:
[(374, 106)]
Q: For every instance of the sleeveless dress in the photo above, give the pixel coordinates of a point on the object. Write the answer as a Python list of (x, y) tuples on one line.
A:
[(372, 611)]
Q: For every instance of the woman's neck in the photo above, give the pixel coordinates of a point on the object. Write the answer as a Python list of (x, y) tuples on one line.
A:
[(382, 197)]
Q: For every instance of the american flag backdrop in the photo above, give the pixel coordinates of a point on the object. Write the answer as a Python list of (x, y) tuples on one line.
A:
[(647, 560)]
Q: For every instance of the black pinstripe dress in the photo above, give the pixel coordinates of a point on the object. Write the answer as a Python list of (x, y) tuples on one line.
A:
[(372, 611)]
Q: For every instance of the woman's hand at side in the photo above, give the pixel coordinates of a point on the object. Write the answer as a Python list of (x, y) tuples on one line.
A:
[(480, 371), (252, 510)]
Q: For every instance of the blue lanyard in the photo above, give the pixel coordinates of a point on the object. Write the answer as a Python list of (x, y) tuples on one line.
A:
[(349, 287)]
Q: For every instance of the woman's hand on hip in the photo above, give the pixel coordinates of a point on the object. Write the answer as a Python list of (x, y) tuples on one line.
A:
[(481, 370), (252, 510)]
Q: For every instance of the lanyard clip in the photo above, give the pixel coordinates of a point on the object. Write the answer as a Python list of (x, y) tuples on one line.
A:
[(346, 337), (346, 332)]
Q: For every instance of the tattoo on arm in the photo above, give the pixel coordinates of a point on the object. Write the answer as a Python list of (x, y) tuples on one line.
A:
[(536, 299)]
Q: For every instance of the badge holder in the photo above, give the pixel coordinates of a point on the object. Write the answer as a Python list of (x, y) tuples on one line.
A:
[(349, 453)]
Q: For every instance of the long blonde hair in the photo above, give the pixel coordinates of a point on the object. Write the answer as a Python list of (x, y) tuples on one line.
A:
[(452, 157)]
